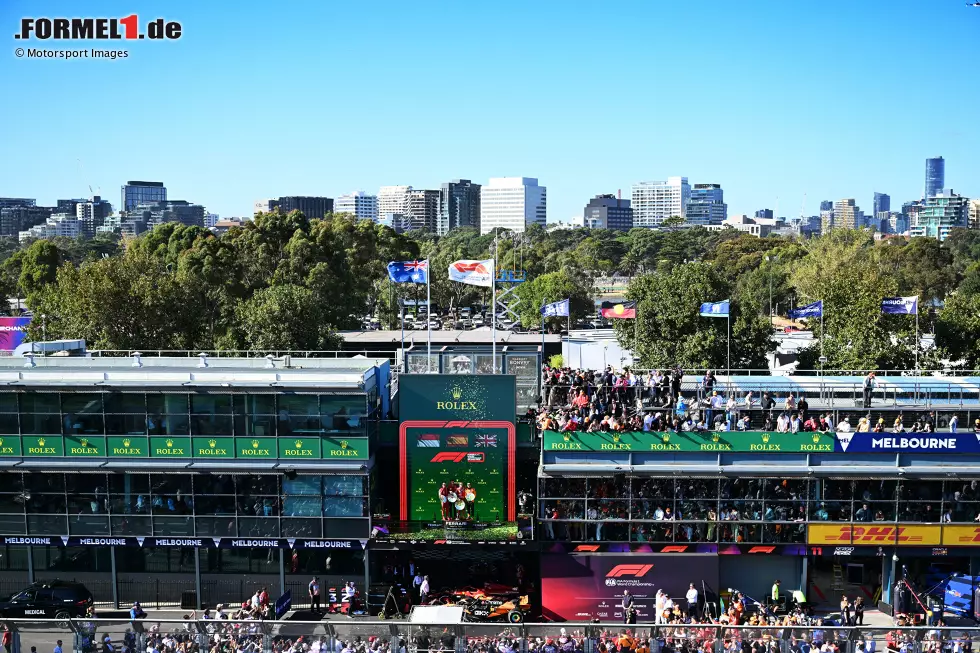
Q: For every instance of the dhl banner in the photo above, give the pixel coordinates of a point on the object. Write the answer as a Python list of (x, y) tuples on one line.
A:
[(878, 534)]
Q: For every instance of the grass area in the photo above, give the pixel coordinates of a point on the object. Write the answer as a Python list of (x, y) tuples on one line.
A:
[(493, 533)]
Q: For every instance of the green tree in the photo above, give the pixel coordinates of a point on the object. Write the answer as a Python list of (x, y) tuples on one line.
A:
[(553, 287), (285, 317), (39, 267), (669, 331), (957, 327)]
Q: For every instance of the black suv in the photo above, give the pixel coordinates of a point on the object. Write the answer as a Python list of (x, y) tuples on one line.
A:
[(55, 599)]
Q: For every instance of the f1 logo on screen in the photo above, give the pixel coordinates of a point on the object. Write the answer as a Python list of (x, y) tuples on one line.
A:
[(454, 457), (633, 571)]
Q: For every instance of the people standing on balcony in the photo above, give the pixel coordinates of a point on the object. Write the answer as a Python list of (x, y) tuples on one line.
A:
[(802, 406), (790, 404), (869, 385), (954, 421), (844, 426)]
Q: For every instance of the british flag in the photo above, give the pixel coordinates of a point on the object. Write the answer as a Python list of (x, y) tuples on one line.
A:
[(486, 440)]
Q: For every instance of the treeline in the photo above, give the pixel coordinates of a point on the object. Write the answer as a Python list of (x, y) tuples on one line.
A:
[(287, 282)]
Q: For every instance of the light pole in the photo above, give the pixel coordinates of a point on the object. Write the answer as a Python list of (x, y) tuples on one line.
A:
[(772, 318)]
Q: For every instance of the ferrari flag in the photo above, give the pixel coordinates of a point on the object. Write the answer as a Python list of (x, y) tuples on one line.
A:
[(614, 310), (474, 273)]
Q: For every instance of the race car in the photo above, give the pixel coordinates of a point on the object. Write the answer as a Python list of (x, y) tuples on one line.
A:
[(490, 603)]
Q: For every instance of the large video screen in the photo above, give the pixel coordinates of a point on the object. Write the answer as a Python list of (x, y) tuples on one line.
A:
[(458, 450), (584, 587)]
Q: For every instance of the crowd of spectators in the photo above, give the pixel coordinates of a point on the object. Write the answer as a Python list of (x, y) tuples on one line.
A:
[(610, 401)]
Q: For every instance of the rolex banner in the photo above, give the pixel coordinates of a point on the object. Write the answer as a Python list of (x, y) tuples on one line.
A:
[(458, 447), (759, 441)]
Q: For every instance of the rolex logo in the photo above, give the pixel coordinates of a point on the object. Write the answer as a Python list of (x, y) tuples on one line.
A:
[(212, 443), (566, 437), (616, 437), (299, 444), (715, 437), (816, 438), (255, 444), (456, 392), (40, 442), (343, 444), (126, 442), (83, 442), (170, 443), (765, 437), (665, 437)]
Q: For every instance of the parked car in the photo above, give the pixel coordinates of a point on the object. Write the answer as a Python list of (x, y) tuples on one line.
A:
[(54, 599)]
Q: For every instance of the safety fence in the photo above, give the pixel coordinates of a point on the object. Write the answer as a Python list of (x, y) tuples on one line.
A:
[(84, 635)]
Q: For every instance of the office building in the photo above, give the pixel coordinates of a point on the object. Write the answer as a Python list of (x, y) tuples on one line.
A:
[(211, 219), (882, 203), (707, 205), (393, 206), (826, 205), (891, 222), (847, 215), (359, 204), (940, 214), (512, 203), (935, 176), (92, 213), (423, 210), (608, 212), (265, 206), (11, 202), (763, 214), (311, 207), (656, 201), (14, 219), (134, 193), (459, 205), (973, 219), (63, 225), (173, 211)]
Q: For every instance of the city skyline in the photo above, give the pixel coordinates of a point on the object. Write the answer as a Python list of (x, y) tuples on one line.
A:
[(224, 152)]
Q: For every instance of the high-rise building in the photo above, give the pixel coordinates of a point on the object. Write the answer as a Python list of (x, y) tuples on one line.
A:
[(656, 201), (141, 192), (973, 219), (172, 211), (935, 176), (64, 225), (892, 222), (359, 204), (459, 205), (826, 205), (266, 206), (512, 203), (423, 210), (608, 212), (11, 202), (393, 206), (939, 214), (211, 219), (14, 219), (847, 215), (311, 207), (882, 203), (707, 205), (763, 214), (92, 214)]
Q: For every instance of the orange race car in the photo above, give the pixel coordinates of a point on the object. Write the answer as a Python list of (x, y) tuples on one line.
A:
[(490, 603)]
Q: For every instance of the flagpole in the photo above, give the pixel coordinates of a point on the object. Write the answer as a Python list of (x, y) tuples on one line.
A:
[(916, 335), (493, 312), (728, 369), (821, 338), (401, 306), (542, 334), (428, 315), (636, 335)]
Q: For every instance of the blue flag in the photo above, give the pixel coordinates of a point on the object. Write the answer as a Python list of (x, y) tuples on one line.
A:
[(900, 305), (555, 309), (409, 271), (714, 309), (810, 310)]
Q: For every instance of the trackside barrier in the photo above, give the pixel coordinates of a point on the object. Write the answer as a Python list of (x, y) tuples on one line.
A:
[(88, 636)]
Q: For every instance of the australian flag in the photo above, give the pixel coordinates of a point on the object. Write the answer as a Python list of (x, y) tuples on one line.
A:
[(810, 310), (555, 309), (409, 271)]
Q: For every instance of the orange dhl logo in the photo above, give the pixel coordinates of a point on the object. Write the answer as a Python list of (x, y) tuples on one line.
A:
[(873, 534), (970, 538), (636, 571)]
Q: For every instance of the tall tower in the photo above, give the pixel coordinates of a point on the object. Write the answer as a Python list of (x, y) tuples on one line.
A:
[(935, 176)]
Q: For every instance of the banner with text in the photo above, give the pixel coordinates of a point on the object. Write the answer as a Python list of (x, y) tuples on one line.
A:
[(689, 441)]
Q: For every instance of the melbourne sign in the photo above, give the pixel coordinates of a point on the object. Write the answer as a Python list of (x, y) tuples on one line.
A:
[(312, 447), (685, 441), (944, 443)]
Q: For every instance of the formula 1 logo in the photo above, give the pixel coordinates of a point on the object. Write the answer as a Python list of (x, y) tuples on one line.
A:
[(454, 457), (632, 571)]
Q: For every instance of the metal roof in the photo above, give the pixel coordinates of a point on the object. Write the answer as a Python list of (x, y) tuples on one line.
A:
[(468, 337)]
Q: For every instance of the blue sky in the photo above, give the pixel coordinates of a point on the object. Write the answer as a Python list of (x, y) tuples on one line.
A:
[(837, 98)]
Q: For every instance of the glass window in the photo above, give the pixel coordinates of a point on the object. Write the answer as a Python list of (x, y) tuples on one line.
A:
[(125, 402), (84, 403), (206, 404), (301, 485), (82, 424), (344, 507), (8, 402), (135, 424), (167, 404), (212, 424), (40, 402)]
